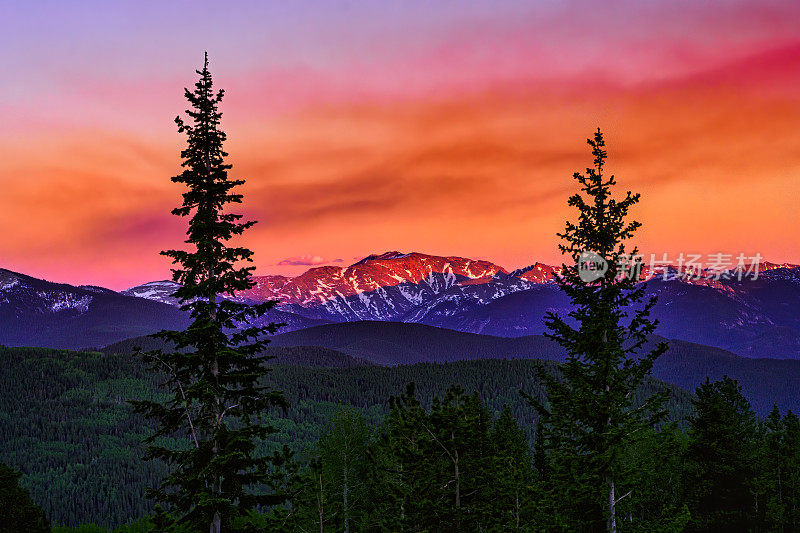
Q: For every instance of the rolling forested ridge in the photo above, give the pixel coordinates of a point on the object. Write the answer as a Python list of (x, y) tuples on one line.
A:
[(68, 428), (209, 429)]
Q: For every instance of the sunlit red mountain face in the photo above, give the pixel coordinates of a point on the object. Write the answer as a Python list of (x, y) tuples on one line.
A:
[(754, 317), (375, 273), (440, 126), (372, 273)]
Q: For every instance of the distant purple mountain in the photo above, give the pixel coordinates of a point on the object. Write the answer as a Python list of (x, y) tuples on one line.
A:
[(35, 312), (758, 318)]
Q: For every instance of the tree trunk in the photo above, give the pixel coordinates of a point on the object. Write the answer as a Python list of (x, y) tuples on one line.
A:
[(319, 507), (458, 481), (612, 508), (216, 523), (344, 500), (458, 490)]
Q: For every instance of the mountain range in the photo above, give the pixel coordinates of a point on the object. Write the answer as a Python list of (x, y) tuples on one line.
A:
[(35, 312), (753, 318), (764, 381)]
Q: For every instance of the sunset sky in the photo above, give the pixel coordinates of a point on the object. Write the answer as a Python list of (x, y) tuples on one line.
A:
[(442, 127)]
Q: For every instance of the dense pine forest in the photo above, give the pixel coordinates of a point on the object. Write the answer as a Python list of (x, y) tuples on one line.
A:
[(70, 431), (69, 428)]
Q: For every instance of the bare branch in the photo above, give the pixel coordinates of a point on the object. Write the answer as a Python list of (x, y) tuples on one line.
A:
[(183, 396)]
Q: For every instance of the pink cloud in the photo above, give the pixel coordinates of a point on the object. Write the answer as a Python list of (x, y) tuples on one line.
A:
[(307, 260)]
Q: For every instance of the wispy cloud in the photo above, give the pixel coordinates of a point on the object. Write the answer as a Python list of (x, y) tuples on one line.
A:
[(307, 260)]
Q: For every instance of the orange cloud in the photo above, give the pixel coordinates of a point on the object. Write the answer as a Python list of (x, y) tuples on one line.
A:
[(484, 173)]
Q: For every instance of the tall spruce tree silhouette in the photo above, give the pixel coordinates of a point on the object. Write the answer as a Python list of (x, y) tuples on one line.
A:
[(589, 417), (214, 367)]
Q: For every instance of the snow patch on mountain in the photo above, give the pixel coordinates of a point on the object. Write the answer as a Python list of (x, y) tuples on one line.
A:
[(8, 283), (56, 301), (159, 291)]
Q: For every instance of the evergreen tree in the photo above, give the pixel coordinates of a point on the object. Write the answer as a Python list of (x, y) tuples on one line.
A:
[(303, 508), (655, 464), (431, 471), (18, 512), (213, 372), (397, 476), (778, 473), (511, 487), (721, 459), (771, 485), (343, 459), (588, 418), (791, 470), (458, 457)]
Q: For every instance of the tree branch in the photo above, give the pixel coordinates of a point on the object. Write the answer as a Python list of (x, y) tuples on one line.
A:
[(183, 396)]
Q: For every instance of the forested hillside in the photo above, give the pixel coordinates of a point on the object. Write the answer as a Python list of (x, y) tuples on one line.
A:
[(66, 425), (764, 381)]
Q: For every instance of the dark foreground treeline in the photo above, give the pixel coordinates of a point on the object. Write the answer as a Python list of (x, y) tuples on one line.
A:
[(450, 463), (68, 426), (452, 467)]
